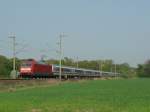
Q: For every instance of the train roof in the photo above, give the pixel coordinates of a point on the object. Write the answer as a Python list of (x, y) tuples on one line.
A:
[(33, 60), (83, 69)]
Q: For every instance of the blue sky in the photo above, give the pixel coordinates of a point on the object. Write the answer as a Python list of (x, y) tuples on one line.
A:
[(95, 29)]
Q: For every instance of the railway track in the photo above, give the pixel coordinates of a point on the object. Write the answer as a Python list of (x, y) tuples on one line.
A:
[(40, 79), (12, 79), (28, 79), (6, 81)]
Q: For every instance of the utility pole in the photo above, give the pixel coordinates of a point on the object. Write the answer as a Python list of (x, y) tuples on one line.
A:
[(13, 73), (77, 63), (115, 71), (101, 67), (60, 52), (111, 69)]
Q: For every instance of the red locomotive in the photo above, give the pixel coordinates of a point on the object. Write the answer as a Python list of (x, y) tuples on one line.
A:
[(31, 68)]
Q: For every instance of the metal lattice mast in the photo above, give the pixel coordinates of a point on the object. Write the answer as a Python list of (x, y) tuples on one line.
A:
[(61, 53), (14, 51)]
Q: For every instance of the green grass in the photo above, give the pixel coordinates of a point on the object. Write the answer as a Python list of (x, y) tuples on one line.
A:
[(90, 96)]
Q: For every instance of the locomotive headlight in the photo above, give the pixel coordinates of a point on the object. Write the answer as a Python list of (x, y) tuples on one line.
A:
[(25, 69)]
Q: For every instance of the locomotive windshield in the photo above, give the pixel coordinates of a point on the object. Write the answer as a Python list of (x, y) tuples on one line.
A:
[(26, 64)]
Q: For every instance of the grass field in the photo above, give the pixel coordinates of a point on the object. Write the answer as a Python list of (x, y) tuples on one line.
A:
[(132, 95)]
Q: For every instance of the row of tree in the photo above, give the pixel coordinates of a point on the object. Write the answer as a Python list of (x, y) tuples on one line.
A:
[(143, 70), (6, 66), (124, 69)]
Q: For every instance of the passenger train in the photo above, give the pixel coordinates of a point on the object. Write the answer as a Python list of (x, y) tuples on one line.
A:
[(33, 69)]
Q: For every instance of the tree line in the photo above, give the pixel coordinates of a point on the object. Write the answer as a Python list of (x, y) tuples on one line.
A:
[(126, 71), (6, 66), (143, 70)]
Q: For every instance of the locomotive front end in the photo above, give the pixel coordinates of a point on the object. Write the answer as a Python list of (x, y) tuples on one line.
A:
[(26, 68)]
